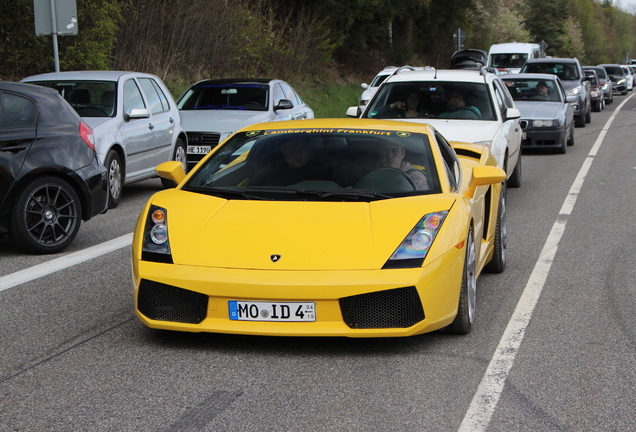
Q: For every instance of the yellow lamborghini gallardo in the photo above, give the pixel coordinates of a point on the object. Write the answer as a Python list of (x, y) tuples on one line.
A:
[(331, 227)]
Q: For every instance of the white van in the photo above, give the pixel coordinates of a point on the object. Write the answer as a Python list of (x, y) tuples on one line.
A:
[(510, 57)]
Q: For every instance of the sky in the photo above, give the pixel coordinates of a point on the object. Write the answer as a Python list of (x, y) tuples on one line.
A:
[(627, 5)]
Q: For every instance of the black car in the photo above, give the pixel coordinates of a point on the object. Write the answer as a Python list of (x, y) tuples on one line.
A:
[(574, 80), (617, 75), (545, 108), (50, 177)]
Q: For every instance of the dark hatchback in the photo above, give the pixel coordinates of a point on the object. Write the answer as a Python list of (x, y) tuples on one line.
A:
[(617, 75), (50, 177)]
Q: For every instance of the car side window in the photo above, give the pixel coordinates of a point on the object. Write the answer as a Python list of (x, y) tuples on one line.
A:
[(500, 101), (278, 94), (150, 91), (18, 111), (505, 94), (450, 160), (132, 96), (290, 94), (162, 96)]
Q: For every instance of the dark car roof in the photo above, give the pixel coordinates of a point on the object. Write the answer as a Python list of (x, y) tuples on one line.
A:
[(35, 91), (53, 108)]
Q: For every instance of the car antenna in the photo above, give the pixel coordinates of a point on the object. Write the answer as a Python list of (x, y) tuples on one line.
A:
[(436, 67)]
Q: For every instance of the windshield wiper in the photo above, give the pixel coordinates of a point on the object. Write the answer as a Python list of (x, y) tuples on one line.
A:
[(233, 193), (353, 194)]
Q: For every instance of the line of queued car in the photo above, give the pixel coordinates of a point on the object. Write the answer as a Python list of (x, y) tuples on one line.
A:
[(373, 226)]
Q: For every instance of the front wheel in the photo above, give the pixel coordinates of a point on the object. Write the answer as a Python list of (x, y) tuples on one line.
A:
[(178, 155), (463, 323), (115, 178), (515, 178), (46, 216)]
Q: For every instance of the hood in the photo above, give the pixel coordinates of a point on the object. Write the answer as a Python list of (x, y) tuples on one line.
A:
[(222, 121), (464, 130), (538, 110), (307, 235)]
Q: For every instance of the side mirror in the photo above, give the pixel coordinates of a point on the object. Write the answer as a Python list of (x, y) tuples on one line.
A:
[(283, 104), (571, 98), (512, 113), (171, 170), (364, 86), (353, 112), (137, 113), (483, 176)]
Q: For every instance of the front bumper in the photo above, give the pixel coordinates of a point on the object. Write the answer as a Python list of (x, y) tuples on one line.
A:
[(370, 303), (543, 138)]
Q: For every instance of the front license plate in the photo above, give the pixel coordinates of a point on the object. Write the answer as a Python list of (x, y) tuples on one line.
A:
[(272, 311), (199, 149)]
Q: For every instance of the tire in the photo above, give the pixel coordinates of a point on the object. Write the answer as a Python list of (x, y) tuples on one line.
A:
[(598, 107), (580, 120), (514, 181), (588, 115), (571, 139), (179, 155), (497, 264), (563, 149), (115, 178), (465, 319), (46, 216)]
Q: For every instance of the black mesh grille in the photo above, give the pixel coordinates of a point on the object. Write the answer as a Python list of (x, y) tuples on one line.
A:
[(396, 308), (197, 138), (164, 302)]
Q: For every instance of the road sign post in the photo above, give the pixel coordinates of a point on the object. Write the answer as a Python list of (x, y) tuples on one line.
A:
[(55, 17), (459, 37)]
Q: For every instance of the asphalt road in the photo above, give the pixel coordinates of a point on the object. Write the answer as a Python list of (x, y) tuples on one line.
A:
[(554, 348)]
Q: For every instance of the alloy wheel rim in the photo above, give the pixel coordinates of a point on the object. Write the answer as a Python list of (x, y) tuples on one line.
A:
[(50, 215)]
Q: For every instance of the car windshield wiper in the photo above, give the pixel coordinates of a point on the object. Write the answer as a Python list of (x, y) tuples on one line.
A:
[(353, 194), (248, 194)]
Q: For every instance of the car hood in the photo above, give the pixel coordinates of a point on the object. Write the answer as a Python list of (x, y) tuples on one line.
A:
[(221, 121), (538, 110), (470, 131), (307, 235)]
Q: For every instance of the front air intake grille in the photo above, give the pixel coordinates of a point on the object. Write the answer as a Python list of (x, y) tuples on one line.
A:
[(396, 308), (199, 138), (164, 302)]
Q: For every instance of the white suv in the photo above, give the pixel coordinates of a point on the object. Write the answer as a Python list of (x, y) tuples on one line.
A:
[(135, 121), (464, 105)]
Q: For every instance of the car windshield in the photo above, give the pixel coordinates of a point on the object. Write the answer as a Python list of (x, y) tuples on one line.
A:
[(509, 60), (88, 98), (532, 89), (432, 99), (319, 165), (225, 96), (565, 71), (614, 70)]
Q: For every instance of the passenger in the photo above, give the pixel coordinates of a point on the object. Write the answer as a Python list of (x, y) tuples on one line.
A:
[(290, 170), (408, 107), (392, 156), (542, 88)]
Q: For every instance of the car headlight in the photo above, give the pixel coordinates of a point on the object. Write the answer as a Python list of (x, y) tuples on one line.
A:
[(363, 102), (156, 245), (545, 123), (605, 86), (413, 249), (224, 135), (574, 91), (594, 93), (621, 81)]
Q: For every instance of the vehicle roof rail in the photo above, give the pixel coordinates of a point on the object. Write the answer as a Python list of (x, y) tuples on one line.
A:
[(403, 68)]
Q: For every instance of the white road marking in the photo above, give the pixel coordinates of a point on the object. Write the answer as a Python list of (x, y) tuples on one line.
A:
[(57, 264), (485, 400)]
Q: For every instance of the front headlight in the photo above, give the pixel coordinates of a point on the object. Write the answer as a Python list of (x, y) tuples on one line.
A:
[(605, 86), (363, 102), (545, 123), (156, 245), (594, 93), (413, 249), (574, 91), (621, 81)]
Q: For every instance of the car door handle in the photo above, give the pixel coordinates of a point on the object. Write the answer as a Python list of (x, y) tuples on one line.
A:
[(151, 126), (171, 120), (12, 149)]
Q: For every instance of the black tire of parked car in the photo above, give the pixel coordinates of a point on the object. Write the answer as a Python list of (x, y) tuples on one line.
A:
[(571, 139), (579, 121), (514, 181), (179, 155), (46, 215), (498, 262), (115, 178)]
